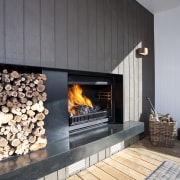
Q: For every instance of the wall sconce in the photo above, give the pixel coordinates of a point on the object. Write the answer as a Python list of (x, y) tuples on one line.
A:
[(142, 51)]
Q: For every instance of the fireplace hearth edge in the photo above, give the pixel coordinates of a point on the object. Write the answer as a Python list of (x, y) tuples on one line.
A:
[(59, 155)]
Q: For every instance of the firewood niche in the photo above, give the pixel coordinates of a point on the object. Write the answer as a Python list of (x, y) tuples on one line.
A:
[(22, 112)]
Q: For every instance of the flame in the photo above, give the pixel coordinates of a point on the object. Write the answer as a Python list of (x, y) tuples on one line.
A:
[(75, 97)]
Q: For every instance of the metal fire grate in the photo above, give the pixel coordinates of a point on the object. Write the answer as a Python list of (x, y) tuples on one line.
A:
[(104, 95), (79, 119), (104, 99)]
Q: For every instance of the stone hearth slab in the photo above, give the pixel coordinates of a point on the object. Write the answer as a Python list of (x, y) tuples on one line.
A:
[(67, 151)]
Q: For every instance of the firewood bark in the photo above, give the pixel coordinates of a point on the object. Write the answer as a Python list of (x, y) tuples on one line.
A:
[(14, 93), (9, 104), (10, 136), (32, 139), (29, 103), (14, 100), (35, 100), (40, 123), (33, 119), (31, 113), (7, 130), (3, 142), (24, 117), (42, 98), (40, 88), (35, 93), (7, 78), (5, 71), (15, 75), (15, 88), (14, 130), (4, 109), (8, 87), (23, 85), (25, 124), (40, 143), (3, 98), (28, 107), (17, 82), (29, 94), (1, 87), (23, 100), (21, 95), (5, 118), (11, 151), (44, 94), (15, 142), (46, 111), (9, 93), (27, 88), (21, 136), (23, 79), (38, 107), (40, 82), (42, 76), (40, 116), (32, 85), (22, 112), (16, 111), (23, 147)]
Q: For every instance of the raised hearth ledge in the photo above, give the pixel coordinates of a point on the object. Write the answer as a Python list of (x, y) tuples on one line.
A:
[(68, 151)]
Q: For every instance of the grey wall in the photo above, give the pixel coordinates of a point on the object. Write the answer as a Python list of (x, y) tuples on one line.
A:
[(92, 35), (167, 28)]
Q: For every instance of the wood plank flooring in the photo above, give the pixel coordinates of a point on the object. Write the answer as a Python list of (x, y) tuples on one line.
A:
[(134, 162)]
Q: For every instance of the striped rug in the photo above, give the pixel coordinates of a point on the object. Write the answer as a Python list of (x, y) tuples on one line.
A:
[(166, 171)]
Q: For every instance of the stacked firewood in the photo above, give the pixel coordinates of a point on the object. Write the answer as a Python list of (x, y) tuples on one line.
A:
[(22, 112)]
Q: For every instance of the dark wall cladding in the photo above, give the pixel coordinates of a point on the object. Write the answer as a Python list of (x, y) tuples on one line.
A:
[(90, 35)]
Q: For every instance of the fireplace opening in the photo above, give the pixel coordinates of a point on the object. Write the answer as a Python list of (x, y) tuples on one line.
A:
[(105, 91), (91, 100), (88, 105)]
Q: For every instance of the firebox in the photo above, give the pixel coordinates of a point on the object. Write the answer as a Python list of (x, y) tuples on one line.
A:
[(101, 96), (93, 100)]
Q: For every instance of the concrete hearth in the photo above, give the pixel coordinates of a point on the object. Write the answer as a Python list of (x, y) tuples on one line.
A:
[(65, 152)]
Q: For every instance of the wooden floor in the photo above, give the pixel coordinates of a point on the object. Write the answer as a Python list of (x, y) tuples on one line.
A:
[(134, 162)]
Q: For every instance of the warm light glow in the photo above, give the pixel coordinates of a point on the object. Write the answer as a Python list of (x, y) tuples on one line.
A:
[(76, 97)]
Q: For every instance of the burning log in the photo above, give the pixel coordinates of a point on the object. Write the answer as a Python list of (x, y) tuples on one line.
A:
[(22, 112)]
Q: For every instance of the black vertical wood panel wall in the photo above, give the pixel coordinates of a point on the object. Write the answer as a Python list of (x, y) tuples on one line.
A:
[(92, 35)]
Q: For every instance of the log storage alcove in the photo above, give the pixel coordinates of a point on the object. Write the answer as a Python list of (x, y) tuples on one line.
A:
[(22, 112)]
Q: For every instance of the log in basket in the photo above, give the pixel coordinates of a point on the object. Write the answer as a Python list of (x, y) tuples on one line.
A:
[(162, 132)]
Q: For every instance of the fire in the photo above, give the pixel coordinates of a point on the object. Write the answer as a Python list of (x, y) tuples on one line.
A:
[(76, 97)]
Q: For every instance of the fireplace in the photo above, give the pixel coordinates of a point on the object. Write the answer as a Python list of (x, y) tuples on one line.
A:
[(105, 91), (90, 99), (72, 138)]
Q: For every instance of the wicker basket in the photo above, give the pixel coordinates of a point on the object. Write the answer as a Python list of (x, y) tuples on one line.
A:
[(163, 132)]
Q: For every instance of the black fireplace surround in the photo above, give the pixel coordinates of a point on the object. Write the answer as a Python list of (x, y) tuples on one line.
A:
[(65, 148)]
